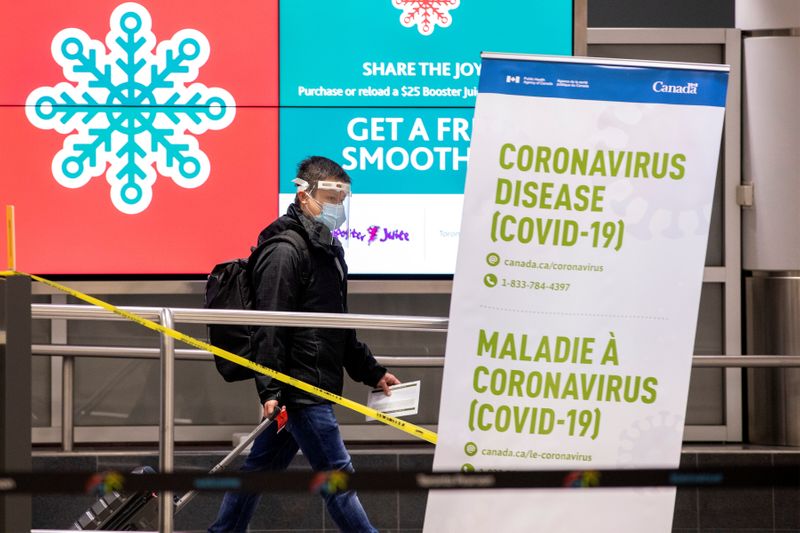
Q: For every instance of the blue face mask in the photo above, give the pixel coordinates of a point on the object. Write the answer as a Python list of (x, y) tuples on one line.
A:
[(332, 215)]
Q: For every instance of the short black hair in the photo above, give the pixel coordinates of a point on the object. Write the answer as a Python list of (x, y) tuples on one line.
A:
[(317, 168)]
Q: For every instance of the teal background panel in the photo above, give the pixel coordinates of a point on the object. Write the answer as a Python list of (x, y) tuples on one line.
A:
[(324, 44), (365, 139)]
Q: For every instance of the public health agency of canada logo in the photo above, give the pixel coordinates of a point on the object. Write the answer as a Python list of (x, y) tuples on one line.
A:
[(131, 108), (426, 14)]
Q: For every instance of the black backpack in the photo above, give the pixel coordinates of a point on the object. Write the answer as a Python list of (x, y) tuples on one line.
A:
[(229, 286)]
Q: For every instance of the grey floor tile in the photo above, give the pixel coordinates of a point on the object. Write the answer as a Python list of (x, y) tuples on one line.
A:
[(412, 505), (374, 461), (255, 530), (416, 462), (285, 510), (733, 509), (380, 506), (202, 510), (412, 508), (277, 511), (688, 460), (251, 530), (685, 515), (126, 463), (738, 530), (198, 513), (787, 499), (64, 463), (289, 510), (202, 462), (58, 511)]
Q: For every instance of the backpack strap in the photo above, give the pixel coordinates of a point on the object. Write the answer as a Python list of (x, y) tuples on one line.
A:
[(255, 263)]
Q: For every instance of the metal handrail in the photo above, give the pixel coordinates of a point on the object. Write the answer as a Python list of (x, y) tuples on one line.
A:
[(88, 312), (116, 352), (187, 354), (746, 361), (251, 318)]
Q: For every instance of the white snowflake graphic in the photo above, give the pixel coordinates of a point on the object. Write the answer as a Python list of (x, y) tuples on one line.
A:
[(130, 108), (426, 14)]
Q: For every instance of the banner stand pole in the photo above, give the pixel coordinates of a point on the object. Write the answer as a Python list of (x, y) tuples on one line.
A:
[(10, 235)]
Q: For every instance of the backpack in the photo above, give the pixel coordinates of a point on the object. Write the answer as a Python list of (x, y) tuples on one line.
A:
[(229, 286)]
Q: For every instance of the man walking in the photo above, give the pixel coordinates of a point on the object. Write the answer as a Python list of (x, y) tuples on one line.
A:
[(302, 268)]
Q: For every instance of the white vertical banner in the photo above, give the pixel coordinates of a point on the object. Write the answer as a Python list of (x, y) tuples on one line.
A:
[(577, 286)]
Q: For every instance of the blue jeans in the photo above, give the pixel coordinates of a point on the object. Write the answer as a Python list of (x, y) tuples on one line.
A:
[(314, 430)]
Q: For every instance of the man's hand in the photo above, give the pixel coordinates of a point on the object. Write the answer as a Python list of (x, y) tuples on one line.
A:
[(269, 407), (387, 381)]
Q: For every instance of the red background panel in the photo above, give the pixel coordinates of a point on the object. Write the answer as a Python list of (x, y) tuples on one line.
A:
[(183, 231), (243, 36)]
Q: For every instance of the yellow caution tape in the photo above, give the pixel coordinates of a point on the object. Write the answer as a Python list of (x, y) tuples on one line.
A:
[(407, 427)]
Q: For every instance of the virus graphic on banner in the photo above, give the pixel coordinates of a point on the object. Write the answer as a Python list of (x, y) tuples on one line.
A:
[(131, 108), (620, 125), (426, 14), (647, 440)]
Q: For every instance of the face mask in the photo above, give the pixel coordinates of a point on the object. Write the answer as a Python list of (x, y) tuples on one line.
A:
[(332, 215)]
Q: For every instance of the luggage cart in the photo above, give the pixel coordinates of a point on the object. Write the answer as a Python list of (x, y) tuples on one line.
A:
[(120, 511)]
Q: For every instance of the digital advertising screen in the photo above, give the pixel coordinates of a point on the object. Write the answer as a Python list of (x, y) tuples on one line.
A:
[(159, 138)]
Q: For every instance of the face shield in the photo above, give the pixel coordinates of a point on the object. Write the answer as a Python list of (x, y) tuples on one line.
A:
[(331, 207)]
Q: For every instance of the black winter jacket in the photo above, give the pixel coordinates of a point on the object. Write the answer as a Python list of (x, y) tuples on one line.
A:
[(313, 355)]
